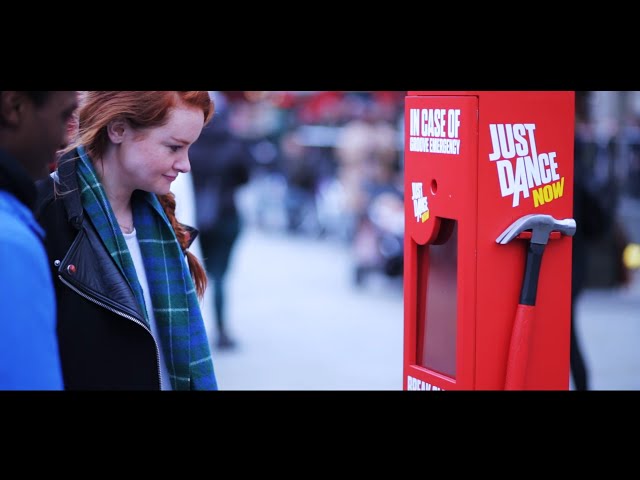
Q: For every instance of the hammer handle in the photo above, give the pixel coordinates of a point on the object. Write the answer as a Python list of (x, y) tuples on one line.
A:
[(519, 348), (529, 290)]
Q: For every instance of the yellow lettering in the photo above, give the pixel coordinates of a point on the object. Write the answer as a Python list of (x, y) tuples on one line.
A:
[(558, 188), (538, 197), (548, 193)]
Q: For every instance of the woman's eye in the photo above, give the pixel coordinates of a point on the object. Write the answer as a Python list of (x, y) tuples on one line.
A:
[(175, 148)]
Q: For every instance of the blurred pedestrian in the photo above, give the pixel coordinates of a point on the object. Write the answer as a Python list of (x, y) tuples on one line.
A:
[(127, 289), (579, 372), (185, 199), (221, 164), (33, 127), (301, 170), (592, 221)]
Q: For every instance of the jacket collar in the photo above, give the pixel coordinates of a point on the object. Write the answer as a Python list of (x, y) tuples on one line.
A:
[(67, 181)]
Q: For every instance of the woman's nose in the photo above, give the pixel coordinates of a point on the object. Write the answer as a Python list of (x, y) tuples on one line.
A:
[(183, 165)]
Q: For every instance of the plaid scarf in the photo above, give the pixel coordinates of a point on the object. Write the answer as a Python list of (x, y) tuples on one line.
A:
[(183, 337)]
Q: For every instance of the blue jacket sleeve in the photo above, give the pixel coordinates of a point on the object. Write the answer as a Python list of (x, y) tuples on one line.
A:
[(29, 358)]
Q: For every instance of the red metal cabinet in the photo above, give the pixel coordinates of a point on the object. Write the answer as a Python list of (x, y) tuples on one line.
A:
[(474, 163)]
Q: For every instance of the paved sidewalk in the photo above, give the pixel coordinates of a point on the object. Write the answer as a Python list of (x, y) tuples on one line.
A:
[(609, 330), (302, 325)]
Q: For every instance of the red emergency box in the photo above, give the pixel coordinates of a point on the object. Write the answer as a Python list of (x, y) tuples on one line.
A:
[(475, 164)]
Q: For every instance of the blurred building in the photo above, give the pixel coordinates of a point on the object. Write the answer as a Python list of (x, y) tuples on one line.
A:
[(267, 120)]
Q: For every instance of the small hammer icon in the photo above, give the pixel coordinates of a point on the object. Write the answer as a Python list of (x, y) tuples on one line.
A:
[(541, 227)]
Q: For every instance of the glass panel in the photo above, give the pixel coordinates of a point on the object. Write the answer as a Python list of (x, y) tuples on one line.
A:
[(440, 322)]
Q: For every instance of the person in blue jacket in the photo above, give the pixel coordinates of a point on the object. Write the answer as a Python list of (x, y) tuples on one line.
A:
[(33, 127)]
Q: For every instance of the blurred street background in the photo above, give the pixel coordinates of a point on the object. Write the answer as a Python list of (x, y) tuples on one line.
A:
[(314, 295)]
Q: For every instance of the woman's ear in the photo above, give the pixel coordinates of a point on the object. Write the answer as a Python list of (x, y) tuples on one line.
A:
[(116, 130)]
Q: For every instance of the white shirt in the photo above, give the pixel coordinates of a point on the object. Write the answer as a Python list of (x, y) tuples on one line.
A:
[(136, 255)]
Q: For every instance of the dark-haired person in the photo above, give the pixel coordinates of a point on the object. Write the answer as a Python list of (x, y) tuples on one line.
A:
[(221, 165), (127, 288), (33, 127)]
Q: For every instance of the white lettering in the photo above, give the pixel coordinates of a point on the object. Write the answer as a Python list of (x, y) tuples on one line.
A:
[(495, 155), (418, 144), (520, 182), (453, 122), (522, 148), (416, 384), (505, 177), (424, 122), (553, 165), (533, 171), (530, 171), (414, 121), (505, 140), (545, 174)]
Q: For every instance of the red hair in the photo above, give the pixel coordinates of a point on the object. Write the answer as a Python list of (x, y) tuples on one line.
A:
[(142, 109)]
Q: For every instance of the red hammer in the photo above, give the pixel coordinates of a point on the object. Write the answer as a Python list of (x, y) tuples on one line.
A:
[(541, 227)]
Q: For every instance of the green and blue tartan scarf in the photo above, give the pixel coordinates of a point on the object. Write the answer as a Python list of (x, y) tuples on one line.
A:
[(177, 312)]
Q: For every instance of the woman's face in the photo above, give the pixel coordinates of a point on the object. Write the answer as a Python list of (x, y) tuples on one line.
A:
[(152, 159)]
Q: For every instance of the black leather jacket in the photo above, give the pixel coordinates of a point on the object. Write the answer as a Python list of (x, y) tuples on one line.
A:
[(103, 338)]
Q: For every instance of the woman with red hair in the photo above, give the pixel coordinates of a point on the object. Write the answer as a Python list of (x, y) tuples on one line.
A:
[(127, 288)]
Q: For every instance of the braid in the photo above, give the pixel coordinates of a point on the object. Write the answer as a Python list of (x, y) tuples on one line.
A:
[(198, 273)]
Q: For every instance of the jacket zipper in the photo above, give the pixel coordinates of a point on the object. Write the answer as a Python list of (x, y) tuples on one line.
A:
[(122, 314)]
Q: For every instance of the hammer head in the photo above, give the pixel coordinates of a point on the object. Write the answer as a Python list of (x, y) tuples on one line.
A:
[(541, 227)]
